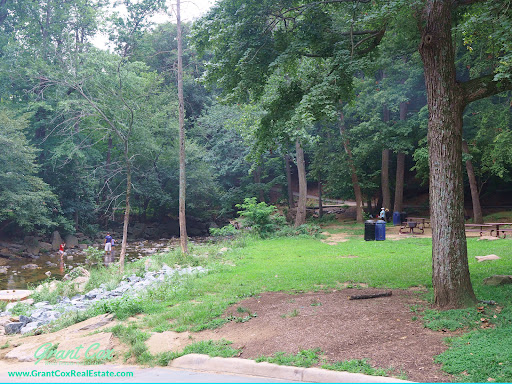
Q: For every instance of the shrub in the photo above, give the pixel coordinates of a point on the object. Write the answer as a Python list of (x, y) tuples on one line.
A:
[(227, 230), (262, 218), (94, 256)]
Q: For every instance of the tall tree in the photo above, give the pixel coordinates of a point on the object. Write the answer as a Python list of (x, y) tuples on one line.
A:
[(183, 180)]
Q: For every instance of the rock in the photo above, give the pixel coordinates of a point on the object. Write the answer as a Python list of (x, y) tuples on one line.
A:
[(498, 280), (92, 294), (81, 271), (32, 244), (56, 240), (14, 294), (488, 257), (29, 266), (83, 246), (50, 264), (224, 249), (48, 273), (45, 246), (24, 319), (70, 257), (80, 282), (29, 327), (71, 241), (12, 328), (4, 269)]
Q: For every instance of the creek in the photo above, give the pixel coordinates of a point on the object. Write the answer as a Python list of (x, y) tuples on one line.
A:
[(21, 272)]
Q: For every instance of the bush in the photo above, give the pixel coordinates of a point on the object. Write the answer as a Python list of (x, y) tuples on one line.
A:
[(94, 256), (227, 230), (262, 218)]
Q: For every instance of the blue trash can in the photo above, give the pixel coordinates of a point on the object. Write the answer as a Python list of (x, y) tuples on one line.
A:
[(397, 218), (380, 230)]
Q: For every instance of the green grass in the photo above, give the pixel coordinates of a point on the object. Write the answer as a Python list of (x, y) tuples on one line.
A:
[(358, 366), (136, 338), (302, 264), (305, 358)]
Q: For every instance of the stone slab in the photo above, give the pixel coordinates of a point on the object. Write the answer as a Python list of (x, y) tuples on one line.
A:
[(14, 294), (487, 257)]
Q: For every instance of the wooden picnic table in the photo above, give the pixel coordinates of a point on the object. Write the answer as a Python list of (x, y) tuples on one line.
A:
[(503, 230), (408, 227), (482, 227), (420, 220)]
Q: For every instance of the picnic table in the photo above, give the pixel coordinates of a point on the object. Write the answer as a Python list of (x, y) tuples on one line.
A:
[(479, 228), (424, 221), (502, 230), (408, 227)]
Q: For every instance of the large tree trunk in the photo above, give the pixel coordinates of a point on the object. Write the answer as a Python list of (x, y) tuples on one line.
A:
[(400, 169), (126, 212), (291, 200), (399, 185), (355, 181), (300, 217), (450, 271), (183, 180), (475, 196), (384, 176)]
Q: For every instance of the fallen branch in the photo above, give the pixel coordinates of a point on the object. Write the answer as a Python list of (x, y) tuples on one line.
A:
[(359, 297)]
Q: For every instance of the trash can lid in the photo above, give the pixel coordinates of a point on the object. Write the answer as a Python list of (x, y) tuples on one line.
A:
[(370, 221), (381, 221)]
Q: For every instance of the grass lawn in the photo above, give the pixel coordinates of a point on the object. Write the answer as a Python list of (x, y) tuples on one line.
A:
[(302, 264)]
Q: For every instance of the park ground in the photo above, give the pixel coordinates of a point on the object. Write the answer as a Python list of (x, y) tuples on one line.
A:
[(286, 300)]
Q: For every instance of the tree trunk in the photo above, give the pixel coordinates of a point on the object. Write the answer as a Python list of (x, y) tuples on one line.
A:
[(400, 169), (257, 181), (126, 212), (384, 176), (320, 205), (399, 185), (475, 196), (300, 217), (355, 181), (291, 200), (182, 192), (450, 271)]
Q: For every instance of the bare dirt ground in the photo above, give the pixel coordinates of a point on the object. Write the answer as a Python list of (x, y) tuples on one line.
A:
[(380, 330)]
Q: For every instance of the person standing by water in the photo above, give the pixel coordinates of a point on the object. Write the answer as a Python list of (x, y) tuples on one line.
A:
[(108, 244), (61, 253)]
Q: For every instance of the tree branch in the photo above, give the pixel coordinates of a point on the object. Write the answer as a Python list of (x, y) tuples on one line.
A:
[(483, 87)]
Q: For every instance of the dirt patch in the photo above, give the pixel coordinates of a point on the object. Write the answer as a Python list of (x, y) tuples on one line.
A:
[(381, 330), (334, 238), (167, 341)]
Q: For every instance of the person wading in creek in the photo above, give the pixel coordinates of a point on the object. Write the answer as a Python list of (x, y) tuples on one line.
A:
[(108, 244)]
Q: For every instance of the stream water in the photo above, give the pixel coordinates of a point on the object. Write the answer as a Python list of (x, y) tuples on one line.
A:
[(22, 272)]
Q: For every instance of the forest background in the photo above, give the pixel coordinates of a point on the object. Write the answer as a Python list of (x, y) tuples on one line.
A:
[(336, 86)]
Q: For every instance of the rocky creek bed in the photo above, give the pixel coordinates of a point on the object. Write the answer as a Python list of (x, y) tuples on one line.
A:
[(30, 261), (42, 313)]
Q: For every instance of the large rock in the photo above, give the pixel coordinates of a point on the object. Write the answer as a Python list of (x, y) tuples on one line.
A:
[(71, 241), (12, 328), (56, 240), (485, 258), (45, 246), (498, 280), (32, 244)]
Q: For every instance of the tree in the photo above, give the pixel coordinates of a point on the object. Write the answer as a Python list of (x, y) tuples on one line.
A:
[(26, 199), (183, 181), (267, 33)]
